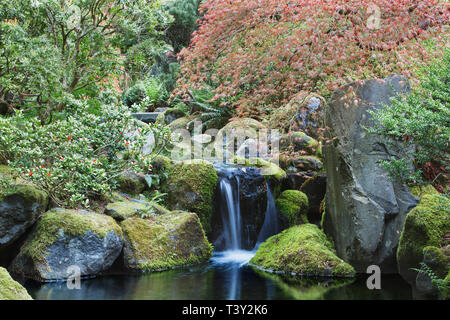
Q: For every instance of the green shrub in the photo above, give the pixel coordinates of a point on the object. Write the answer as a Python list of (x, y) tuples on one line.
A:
[(79, 157), (422, 119)]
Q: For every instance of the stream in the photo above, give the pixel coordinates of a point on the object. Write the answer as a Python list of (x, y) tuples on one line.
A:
[(227, 275)]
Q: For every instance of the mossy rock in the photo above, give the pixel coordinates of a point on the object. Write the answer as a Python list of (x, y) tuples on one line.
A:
[(161, 164), (425, 225), (299, 141), (308, 163), (438, 259), (293, 207), (64, 238), (420, 191), (10, 289), (268, 169), (170, 115), (301, 250), (131, 183), (190, 187), (164, 242), (181, 123), (19, 209), (244, 128), (122, 210)]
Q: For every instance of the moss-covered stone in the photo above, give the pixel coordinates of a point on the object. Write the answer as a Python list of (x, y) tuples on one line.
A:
[(292, 206), (170, 115), (301, 250), (10, 289), (190, 187), (420, 191), (181, 123), (164, 242), (308, 163), (132, 183), (63, 238), (161, 164), (122, 210), (268, 169), (424, 226), (438, 259), (20, 206)]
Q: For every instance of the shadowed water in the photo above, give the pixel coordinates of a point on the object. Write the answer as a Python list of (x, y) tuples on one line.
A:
[(220, 280), (227, 276)]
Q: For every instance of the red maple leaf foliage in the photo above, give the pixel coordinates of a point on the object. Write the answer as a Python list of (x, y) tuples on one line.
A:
[(258, 53)]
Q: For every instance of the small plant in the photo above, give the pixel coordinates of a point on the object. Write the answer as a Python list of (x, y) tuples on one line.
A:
[(438, 283)]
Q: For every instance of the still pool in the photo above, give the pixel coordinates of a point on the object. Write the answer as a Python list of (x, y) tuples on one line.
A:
[(226, 276)]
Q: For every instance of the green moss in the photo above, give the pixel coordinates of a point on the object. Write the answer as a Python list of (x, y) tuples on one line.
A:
[(425, 225), (301, 250), (420, 191), (293, 207), (122, 210), (323, 210), (164, 242), (190, 186), (161, 164), (10, 289), (6, 172), (438, 259), (70, 222), (446, 291), (131, 183), (32, 194), (268, 169)]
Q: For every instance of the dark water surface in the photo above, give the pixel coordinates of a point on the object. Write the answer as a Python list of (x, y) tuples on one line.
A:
[(225, 277)]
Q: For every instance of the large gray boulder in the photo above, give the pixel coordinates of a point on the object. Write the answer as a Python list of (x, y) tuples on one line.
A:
[(365, 210), (19, 209), (66, 238)]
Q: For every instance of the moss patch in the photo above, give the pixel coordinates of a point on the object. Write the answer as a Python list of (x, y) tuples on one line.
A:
[(131, 183), (420, 191), (268, 169), (72, 223), (164, 242), (190, 186), (10, 289), (293, 207), (301, 250), (424, 226)]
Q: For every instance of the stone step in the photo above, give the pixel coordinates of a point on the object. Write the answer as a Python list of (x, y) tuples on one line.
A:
[(147, 117)]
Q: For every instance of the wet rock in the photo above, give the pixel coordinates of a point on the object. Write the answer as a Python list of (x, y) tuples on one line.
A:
[(65, 238), (190, 187), (361, 197), (164, 242), (315, 188), (19, 210)]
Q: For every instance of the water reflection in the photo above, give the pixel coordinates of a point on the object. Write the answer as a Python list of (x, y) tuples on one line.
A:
[(225, 278)]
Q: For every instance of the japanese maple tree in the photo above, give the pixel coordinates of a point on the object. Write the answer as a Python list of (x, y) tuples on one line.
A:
[(258, 53)]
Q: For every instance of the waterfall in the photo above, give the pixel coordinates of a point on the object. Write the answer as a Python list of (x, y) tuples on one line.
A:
[(231, 216), (235, 234), (270, 226)]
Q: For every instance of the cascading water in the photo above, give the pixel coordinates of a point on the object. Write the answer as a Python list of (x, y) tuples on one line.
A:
[(232, 237), (231, 216)]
